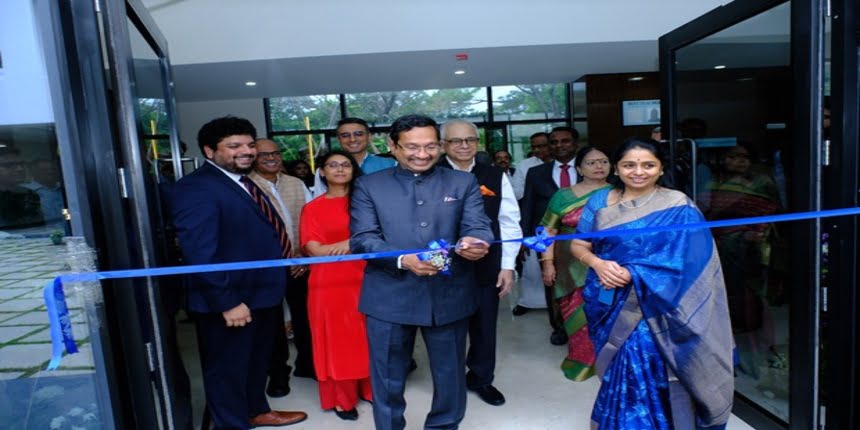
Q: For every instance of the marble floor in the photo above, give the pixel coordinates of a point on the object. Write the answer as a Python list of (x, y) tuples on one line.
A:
[(538, 395)]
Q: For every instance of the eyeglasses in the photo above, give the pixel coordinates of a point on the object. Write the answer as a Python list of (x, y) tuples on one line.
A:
[(469, 141), (599, 162), (347, 134), (334, 165), (273, 154), (430, 148)]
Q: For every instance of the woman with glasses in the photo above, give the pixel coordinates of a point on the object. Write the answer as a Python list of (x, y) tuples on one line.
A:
[(655, 303), (337, 328), (561, 271)]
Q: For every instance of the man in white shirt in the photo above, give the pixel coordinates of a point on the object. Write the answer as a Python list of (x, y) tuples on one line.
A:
[(541, 153), (495, 272)]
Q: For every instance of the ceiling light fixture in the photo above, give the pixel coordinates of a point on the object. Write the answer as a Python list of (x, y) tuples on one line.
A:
[(250, 84), (720, 66), (635, 78), (459, 72)]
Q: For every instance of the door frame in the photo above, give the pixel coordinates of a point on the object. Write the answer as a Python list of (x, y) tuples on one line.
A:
[(807, 59)]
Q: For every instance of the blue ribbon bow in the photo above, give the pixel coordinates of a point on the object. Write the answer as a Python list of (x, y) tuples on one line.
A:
[(540, 241), (438, 256)]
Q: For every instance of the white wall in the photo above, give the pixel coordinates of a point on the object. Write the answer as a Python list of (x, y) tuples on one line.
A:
[(204, 31), (193, 115), (24, 94)]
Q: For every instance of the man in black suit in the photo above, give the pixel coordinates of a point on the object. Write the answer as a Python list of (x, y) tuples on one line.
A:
[(221, 216), (406, 208), (495, 272), (541, 183)]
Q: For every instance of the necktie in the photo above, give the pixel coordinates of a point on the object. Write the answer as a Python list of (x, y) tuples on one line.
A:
[(271, 215), (564, 180)]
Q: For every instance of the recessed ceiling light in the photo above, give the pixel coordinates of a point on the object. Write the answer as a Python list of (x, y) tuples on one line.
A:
[(635, 78), (250, 83), (459, 72), (720, 66)]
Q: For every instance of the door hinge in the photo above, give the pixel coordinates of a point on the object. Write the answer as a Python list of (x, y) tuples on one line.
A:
[(123, 186), (150, 356), (825, 153), (67, 215)]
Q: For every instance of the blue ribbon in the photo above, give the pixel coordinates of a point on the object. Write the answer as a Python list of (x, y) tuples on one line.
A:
[(61, 327), (540, 241)]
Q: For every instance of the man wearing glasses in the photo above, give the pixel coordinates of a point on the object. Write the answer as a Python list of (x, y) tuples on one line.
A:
[(495, 272), (354, 137), (404, 208), (288, 195)]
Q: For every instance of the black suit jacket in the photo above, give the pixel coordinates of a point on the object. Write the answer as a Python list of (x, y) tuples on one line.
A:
[(538, 190), (217, 221), (395, 209)]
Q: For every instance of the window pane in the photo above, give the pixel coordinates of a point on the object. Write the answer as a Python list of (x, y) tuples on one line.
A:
[(582, 128), (521, 102), (295, 147), (153, 116), (381, 109), (289, 113), (518, 138), (580, 106)]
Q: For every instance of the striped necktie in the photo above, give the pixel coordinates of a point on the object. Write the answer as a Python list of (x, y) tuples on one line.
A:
[(271, 215)]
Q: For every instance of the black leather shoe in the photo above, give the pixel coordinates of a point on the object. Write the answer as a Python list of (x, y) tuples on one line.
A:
[(519, 310), (413, 366), (350, 415), (277, 390), (558, 337), (490, 395), (279, 385)]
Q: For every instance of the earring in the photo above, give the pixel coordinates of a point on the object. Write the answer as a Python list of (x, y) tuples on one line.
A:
[(661, 173), (616, 173)]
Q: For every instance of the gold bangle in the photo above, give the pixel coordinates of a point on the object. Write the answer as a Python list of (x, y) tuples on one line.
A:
[(582, 259), (546, 259)]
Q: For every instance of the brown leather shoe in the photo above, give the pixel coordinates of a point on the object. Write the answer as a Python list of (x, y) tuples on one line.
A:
[(278, 418)]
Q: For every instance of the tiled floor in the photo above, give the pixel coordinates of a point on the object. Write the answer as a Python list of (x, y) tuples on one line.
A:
[(538, 395), (26, 266)]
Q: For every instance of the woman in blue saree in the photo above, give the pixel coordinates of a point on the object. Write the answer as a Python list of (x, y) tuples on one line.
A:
[(655, 303)]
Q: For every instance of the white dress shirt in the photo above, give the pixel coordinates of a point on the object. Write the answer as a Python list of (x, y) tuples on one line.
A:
[(509, 219), (518, 182), (234, 176), (556, 172)]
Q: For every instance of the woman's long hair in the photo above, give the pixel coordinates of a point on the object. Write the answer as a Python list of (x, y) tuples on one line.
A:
[(356, 169)]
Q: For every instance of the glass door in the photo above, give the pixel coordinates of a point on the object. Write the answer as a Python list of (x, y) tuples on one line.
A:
[(743, 144)]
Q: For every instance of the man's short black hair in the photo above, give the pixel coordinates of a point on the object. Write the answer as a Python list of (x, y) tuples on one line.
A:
[(353, 120), (539, 134), (408, 122), (570, 130), (213, 131)]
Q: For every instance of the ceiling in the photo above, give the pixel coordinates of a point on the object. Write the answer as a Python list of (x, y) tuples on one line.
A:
[(339, 46), (409, 70)]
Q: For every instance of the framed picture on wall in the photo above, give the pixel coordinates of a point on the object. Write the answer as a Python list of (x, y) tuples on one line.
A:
[(640, 112)]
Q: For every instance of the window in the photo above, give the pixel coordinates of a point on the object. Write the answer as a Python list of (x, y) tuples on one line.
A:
[(530, 102), (304, 113), (381, 109), (296, 146)]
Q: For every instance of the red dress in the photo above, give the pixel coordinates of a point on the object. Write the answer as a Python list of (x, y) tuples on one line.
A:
[(337, 328)]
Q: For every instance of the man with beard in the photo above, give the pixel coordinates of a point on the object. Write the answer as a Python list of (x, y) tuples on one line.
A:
[(354, 136), (406, 208), (222, 216), (288, 195)]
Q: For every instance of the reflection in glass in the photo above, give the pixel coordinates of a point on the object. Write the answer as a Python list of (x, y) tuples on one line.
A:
[(523, 102), (381, 109), (518, 138), (733, 109)]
